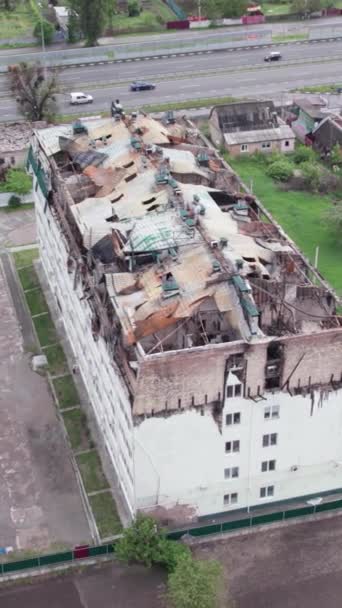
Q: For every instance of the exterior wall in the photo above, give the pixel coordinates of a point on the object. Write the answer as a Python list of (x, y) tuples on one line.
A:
[(107, 393), (15, 158), (181, 459), (275, 146), (216, 135)]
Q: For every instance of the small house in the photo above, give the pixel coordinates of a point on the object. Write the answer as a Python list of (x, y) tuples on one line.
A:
[(248, 127)]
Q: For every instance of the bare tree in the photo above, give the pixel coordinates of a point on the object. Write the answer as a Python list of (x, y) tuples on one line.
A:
[(35, 90)]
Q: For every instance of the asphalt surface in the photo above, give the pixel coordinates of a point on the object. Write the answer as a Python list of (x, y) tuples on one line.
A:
[(298, 565), (238, 73)]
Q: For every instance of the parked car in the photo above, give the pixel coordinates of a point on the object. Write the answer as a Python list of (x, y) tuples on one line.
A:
[(79, 98), (273, 56), (140, 85)]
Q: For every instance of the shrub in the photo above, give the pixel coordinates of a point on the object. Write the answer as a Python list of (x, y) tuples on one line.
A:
[(16, 180), (48, 31), (146, 543), (195, 583), (140, 542), (280, 170), (269, 159), (14, 201), (133, 8), (303, 154), (311, 172)]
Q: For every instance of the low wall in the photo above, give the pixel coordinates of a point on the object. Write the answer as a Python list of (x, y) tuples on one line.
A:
[(236, 523)]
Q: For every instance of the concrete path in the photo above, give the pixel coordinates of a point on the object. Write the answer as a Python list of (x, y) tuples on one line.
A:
[(40, 504)]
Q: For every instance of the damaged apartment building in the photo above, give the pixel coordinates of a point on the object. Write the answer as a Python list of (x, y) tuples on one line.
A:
[(210, 348)]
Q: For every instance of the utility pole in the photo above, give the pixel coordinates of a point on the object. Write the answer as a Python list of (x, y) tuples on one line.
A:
[(199, 10), (42, 35)]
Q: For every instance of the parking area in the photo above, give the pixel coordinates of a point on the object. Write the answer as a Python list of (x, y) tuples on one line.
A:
[(295, 566), (108, 585), (40, 504)]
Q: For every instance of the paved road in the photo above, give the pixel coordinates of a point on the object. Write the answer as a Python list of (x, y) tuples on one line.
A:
[(238, 73), (277, 28)]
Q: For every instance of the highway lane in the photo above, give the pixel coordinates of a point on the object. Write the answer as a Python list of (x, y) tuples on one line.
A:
[(242, 84), (86, 78), (192, 65)]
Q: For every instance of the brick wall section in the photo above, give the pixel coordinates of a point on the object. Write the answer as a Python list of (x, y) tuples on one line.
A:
[(196, 376), (322, 357)]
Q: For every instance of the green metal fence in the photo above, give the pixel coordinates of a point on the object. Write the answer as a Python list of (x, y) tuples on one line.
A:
[(250, 521)]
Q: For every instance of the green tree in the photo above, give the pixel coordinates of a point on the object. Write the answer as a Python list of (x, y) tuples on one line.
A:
[(93, 16), (306, 7), (212, 9), (35, 90), (336, 156), (146, 543), (133, 8), (233, 8), (48, 31), (74, 28), (140, 542), (195, 584)]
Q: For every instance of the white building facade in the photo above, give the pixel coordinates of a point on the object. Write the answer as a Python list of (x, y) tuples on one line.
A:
[(206, 429)]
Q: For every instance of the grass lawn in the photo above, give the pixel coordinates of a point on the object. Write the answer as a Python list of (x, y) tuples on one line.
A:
[(56, 359), (17, 23), (76, 425), (105, 514), (290, 37), (66, 391), (300, 214), (16, 209), (25, 257), (28, 278), (276, 9), (36, 301), (91, 471), (45, 329), (148, 20)]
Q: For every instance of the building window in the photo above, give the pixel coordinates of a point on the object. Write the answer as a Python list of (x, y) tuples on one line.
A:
[(268, 465), (287, 143), (267, 492), (232, 446), (231, 472), (230, 499), (265, 145), (270, 439), (271, 412), (233, 418), (244, 147), (233, 390)]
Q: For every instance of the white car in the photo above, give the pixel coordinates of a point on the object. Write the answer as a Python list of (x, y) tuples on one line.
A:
[(78, 98)]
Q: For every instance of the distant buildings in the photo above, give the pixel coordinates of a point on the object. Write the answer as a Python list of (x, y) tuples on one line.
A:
[(248, 127), (209, 347)]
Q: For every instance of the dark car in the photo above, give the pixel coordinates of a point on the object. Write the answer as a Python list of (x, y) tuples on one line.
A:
[(139, 85), (274, 56)]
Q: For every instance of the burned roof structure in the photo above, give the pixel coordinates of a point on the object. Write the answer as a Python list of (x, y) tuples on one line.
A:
[(172, 252), (246, 116)]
